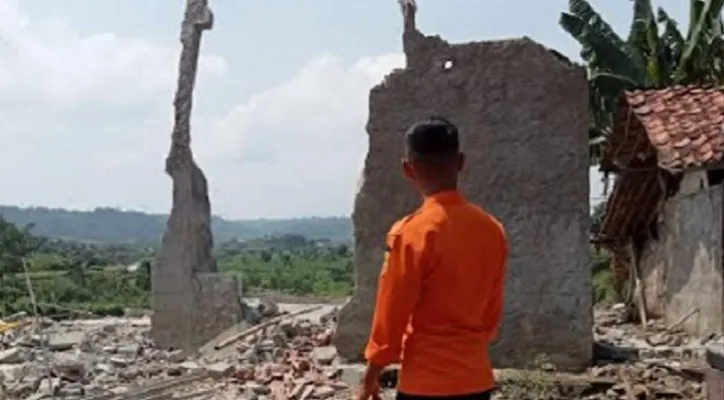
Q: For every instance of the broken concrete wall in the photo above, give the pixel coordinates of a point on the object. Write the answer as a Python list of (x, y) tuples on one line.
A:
[(653, 274), (221, 307), (683, 269), (190, 304), (523, 116)]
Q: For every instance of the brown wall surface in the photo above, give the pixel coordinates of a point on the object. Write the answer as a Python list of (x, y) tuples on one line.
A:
[(523, 117)]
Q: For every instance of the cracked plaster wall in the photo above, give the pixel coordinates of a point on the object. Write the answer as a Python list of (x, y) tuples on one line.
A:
[(523, 117)]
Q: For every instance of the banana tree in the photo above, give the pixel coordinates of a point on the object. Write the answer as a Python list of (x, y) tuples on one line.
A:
[(654, 54)]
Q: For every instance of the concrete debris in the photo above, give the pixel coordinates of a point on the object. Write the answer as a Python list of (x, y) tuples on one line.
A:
[(324, 355), (290, 357), (116, 358), (12, 356), (267, 308), (620, 341)]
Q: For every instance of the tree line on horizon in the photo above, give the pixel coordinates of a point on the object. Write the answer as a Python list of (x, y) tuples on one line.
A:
[(110, 225)]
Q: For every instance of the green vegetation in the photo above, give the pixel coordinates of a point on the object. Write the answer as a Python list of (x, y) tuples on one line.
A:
[(290, 264), (107, 278), (108, 225), (603, 282), (655, 54)]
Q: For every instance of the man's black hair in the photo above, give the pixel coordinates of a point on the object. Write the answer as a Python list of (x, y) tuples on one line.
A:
[(433, 139)]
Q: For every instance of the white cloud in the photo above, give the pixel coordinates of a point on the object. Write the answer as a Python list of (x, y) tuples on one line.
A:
[(86, 122), (78, 110), (297, 148), (312, 110), (52, 64)]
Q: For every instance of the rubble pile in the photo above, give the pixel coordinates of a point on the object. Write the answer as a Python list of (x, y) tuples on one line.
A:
[(619, 340), (659, 362), (75, 359), (285, 355), (289, 359), (114, 358)]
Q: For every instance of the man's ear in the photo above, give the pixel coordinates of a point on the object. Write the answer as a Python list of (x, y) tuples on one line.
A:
[(407, 169), (461, 162)]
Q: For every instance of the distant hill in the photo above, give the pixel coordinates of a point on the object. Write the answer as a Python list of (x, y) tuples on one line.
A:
[(113, 225)]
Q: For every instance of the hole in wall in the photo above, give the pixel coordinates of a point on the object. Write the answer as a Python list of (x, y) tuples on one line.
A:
[(715, 177), (448, 64)]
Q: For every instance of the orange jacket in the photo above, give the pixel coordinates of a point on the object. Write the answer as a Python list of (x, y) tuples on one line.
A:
[(440, 297)]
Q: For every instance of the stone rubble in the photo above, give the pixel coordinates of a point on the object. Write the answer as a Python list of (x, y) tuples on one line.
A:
[(660, 363), (86, 358), (293, 359)]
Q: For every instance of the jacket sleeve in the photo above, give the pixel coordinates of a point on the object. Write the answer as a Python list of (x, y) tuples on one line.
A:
[(397, 293)]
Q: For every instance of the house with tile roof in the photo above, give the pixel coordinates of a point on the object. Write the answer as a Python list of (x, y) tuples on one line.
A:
[(664, 219)]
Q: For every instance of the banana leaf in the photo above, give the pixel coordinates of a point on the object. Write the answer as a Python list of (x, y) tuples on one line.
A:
[(709, 15), (599, 51)]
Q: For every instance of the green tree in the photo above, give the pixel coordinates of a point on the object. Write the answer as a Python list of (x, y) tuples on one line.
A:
[(604, 289), (342, 250), (655, 54), (15, 245), (76, 272)]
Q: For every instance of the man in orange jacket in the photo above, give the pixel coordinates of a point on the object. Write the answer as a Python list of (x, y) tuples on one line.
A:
[(440, 293)]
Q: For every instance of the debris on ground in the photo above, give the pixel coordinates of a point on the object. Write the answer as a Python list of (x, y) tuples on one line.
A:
[(288, 355)]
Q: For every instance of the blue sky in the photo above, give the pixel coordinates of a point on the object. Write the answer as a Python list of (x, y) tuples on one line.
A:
[(86, 88)]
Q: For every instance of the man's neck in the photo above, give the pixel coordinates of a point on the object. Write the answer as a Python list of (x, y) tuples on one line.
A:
[(431, 190)]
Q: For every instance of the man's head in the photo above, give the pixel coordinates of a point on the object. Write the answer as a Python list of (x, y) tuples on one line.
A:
[(432, 155)]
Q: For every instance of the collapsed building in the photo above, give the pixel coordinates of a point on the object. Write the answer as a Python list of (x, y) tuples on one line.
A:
[(663, 221)]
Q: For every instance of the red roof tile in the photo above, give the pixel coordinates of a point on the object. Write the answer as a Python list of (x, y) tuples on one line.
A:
[(682, 125)]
